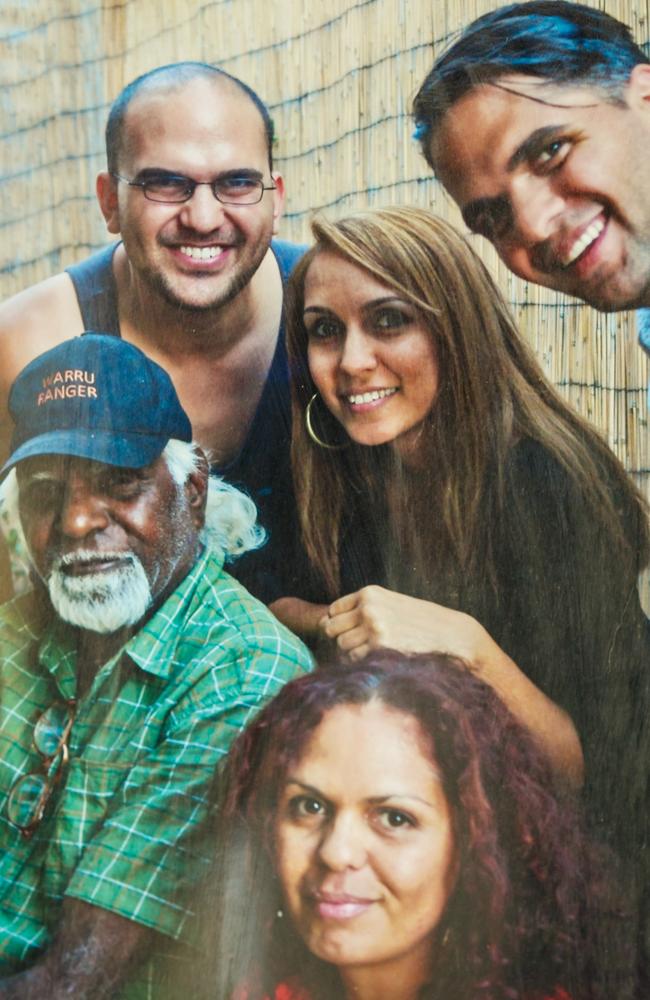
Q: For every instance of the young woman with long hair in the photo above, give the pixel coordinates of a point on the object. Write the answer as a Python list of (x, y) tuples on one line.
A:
[(451, 501)]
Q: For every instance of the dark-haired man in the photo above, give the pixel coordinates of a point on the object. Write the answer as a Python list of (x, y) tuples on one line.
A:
[(196, 281), (125, 677), (537, 121)]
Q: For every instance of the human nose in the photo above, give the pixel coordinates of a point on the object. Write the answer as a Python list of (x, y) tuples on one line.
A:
[(82, 511), (537, 210), (343, 843), (357, 352), (202, 212)]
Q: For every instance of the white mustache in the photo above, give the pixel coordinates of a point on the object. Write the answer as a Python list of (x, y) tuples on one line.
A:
[(86, 557)]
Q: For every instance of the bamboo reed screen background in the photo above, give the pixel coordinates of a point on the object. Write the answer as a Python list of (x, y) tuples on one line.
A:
[(339, 77)]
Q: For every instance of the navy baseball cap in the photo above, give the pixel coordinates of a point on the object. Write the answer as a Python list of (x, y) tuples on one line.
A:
[(96, 397)]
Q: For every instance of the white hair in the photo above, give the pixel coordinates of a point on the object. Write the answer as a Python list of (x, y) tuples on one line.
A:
[(11, 526), (230, 515)]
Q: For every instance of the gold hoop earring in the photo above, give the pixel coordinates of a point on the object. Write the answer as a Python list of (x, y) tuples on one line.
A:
[(312, 433)]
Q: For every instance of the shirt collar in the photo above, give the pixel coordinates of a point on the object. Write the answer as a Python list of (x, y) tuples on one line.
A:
[(151, 648)]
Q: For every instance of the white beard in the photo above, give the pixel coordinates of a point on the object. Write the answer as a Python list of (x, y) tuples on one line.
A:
[(100, 602)]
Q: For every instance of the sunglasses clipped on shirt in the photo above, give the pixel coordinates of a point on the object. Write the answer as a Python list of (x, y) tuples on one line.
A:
[(31, 792)]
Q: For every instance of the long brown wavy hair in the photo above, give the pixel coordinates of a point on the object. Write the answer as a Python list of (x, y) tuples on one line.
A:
[(519, 921), (492, 394)]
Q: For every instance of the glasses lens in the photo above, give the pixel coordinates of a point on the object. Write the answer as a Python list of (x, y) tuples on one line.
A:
[(239, 190), (50, 729), (168, 189), (26, 800)]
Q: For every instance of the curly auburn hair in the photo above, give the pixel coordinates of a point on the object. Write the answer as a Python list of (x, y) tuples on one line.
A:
[(516, 924)]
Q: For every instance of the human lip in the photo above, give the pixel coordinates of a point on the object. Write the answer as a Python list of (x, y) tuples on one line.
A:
[(72, 564), (577, 247), (370, 398), (341, 906)]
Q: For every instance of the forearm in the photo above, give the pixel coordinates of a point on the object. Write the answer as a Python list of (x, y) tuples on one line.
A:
[(301, 617), (57, 984), (93, 952), (375, 617), (68, 981), (549, 724)]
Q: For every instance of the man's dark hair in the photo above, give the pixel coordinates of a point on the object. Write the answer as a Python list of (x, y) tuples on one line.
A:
[(556, 40), (173, 77)]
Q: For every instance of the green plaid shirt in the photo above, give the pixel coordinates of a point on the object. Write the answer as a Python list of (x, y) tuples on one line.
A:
[(123, 829)]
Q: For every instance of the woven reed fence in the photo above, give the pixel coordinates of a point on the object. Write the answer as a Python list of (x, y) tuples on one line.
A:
[(339, 78)]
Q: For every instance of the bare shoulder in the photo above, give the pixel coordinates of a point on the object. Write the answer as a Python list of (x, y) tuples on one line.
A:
[(33, 321)]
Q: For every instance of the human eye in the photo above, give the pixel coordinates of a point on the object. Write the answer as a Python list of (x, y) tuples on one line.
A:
[(238, 186), (306, 807), (41, 495), (163, 186), (390, 319), (392, 819), (322, 327), (551, 156), (120, 484)]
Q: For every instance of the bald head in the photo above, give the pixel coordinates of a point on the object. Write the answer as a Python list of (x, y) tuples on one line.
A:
[(172, 79)]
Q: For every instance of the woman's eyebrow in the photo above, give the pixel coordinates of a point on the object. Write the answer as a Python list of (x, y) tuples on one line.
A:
[(302, 784), (383, 299), (400, 796)]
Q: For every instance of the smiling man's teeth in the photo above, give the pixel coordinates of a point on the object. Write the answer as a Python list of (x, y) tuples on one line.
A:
[(201, 253), (589, 235), (370, 397)]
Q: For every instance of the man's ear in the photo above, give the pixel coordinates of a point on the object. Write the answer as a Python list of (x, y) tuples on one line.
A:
[(196, 489), (106, 188), (278, 201), (638, 87)]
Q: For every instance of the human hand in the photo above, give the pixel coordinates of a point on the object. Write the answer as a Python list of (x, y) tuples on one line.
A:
[(374, 617)]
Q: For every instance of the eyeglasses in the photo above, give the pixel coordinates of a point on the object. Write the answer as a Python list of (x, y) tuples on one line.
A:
[(31, 792), (172, 189)]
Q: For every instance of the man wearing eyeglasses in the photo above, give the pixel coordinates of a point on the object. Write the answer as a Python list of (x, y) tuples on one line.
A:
[(125, 677), (196, 281)]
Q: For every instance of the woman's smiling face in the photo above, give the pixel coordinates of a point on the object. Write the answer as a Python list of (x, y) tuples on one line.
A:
[(364, 843), (371, 355)]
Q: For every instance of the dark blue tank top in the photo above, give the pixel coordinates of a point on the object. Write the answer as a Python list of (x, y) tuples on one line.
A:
[(262, 468)]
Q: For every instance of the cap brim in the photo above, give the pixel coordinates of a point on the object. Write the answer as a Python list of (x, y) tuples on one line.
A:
[(129, 451)]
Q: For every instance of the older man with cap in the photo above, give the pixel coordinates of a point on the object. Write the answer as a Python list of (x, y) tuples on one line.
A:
[(125, 676)]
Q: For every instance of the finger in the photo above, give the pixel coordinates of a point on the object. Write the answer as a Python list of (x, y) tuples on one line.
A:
[(338, 624), (322, 626), (352, 639), (342, 604), (359, 652)]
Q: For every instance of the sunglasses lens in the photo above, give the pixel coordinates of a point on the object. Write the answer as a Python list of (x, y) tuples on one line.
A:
[(49, 730), (27, 799)]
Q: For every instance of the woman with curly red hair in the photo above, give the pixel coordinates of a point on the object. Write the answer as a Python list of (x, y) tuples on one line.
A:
[(389, 830)]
